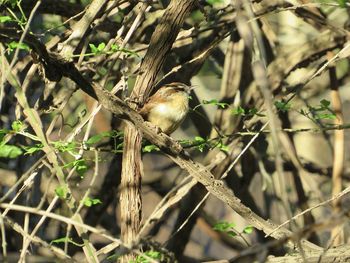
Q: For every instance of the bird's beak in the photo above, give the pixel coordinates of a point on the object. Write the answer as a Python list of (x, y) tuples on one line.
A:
[(192, 87)]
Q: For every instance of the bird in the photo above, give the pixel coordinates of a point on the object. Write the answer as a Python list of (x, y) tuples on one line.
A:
[(168, 107)]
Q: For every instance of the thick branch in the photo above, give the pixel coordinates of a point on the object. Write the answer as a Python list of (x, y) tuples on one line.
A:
[(161, 42)]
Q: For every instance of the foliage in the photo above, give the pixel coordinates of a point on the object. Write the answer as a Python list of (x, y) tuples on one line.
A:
[(229, 228)]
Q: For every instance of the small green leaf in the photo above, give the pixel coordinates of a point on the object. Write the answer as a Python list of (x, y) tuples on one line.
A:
[(87, 202), (93, 48), (222, 105), (325, 116), (94, 139), (253, 111), (212, 2), (282, 106), (80, 166), (201, 147), (10, 151), (65, 146), (202, 143), (98, 137), (325, 103), (90, 202), (224, 226), (13, 45), (215, 102), (4, 19), (153, 254), (33, 149), (61, 192), (115, 47), (113, 134), (248, 229), (17, 126), (150, 148), (101, 47), (150, 254), (199, 139), (238, 111), (223, 147)]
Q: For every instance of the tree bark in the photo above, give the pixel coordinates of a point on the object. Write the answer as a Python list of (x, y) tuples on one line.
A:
[(160, 44)]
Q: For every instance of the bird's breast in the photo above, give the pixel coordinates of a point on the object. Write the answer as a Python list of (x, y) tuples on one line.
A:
[(168, 115), (175, 109)]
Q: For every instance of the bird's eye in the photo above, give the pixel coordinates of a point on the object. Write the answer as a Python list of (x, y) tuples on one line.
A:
[(180, 88)]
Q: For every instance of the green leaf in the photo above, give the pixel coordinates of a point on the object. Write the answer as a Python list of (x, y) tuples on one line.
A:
[(212, 2), (282, 106), (94, 139), (153, 254), (223, 226), (4, 19), (150, 253), (10, 151), (65, 146), (325, 116), (222, 105), (113, 134), (238, 111), (13, 45), (80, 166), (90, 202), (101, 47), (185, 142), (93, 48), (248, 229), (17, 126), (150, 148), (325, 103), (33, 149), (115, 47), (61, 192), (202, 143), (64, 240), (199, 139), (97, 50), (254, 111), (213, 102), (223, 147), (98, 137)]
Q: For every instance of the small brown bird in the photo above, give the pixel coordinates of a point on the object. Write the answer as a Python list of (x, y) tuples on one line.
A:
[(168, 107)]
